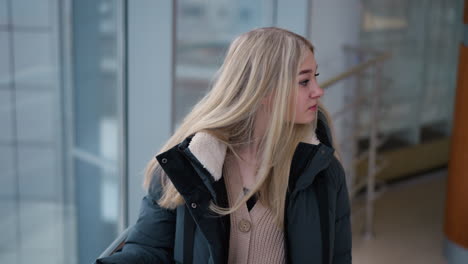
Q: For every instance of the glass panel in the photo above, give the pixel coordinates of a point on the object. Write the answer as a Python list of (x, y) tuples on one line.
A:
[(37, 14), (204, 31), (97, 123), (35, 70), (7, 176), (3, 13), (419, 80), (35, 108), (6, 118), (31, 193), (8, 225), (61, 138), (443, 39)]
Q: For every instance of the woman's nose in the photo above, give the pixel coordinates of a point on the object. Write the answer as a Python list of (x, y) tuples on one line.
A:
[(316, 92)]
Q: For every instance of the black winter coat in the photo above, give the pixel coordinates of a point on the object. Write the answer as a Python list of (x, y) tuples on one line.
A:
[(193, 234)]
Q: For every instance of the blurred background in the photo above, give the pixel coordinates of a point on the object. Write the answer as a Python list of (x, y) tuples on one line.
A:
[(90, 90)]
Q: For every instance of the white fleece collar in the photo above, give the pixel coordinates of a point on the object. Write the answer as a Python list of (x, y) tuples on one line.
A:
[(211, 152)]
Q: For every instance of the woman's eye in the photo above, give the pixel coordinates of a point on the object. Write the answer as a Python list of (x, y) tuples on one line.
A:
[(304, 83), (317, 74)]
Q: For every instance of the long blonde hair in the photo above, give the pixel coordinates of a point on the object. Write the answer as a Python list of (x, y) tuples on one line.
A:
[(258, 63)]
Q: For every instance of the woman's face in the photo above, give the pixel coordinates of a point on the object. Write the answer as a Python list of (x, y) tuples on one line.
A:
[(308, 91)]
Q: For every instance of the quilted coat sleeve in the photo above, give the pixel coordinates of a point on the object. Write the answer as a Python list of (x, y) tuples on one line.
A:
[(343, 241), (151, 240)]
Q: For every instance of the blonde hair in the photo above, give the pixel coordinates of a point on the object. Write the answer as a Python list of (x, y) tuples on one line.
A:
[(258, 63)]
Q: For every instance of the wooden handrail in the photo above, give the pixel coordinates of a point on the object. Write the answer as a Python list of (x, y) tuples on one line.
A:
[(356, 69)]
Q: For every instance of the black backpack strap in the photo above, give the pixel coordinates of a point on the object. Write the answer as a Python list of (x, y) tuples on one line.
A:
[(189, 231), (185, 229), (321, 190)]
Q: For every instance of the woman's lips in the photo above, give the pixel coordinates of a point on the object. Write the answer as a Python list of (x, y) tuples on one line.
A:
[(313, 108)]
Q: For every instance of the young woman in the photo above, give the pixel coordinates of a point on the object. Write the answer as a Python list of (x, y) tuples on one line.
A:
[(251, 175)]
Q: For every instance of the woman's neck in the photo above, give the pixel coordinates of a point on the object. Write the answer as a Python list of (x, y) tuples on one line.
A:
[(250, 151)]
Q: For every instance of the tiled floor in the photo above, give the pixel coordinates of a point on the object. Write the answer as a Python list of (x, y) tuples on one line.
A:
[(408, 226)]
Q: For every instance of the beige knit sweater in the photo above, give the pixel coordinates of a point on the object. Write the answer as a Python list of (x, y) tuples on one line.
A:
[(254, 237)]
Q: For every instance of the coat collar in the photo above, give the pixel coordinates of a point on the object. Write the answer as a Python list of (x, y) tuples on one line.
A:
[(205, 158), (211, 152)]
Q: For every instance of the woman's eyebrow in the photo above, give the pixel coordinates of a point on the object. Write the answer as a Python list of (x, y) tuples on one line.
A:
[(308, 70)]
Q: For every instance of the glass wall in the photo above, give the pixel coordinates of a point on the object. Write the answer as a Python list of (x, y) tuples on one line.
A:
[(32, 192), (419, 80), (97, 149), (61, 136), (204, 30)]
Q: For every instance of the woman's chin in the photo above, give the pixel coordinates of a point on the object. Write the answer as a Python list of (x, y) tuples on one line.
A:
[(304, 121)]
